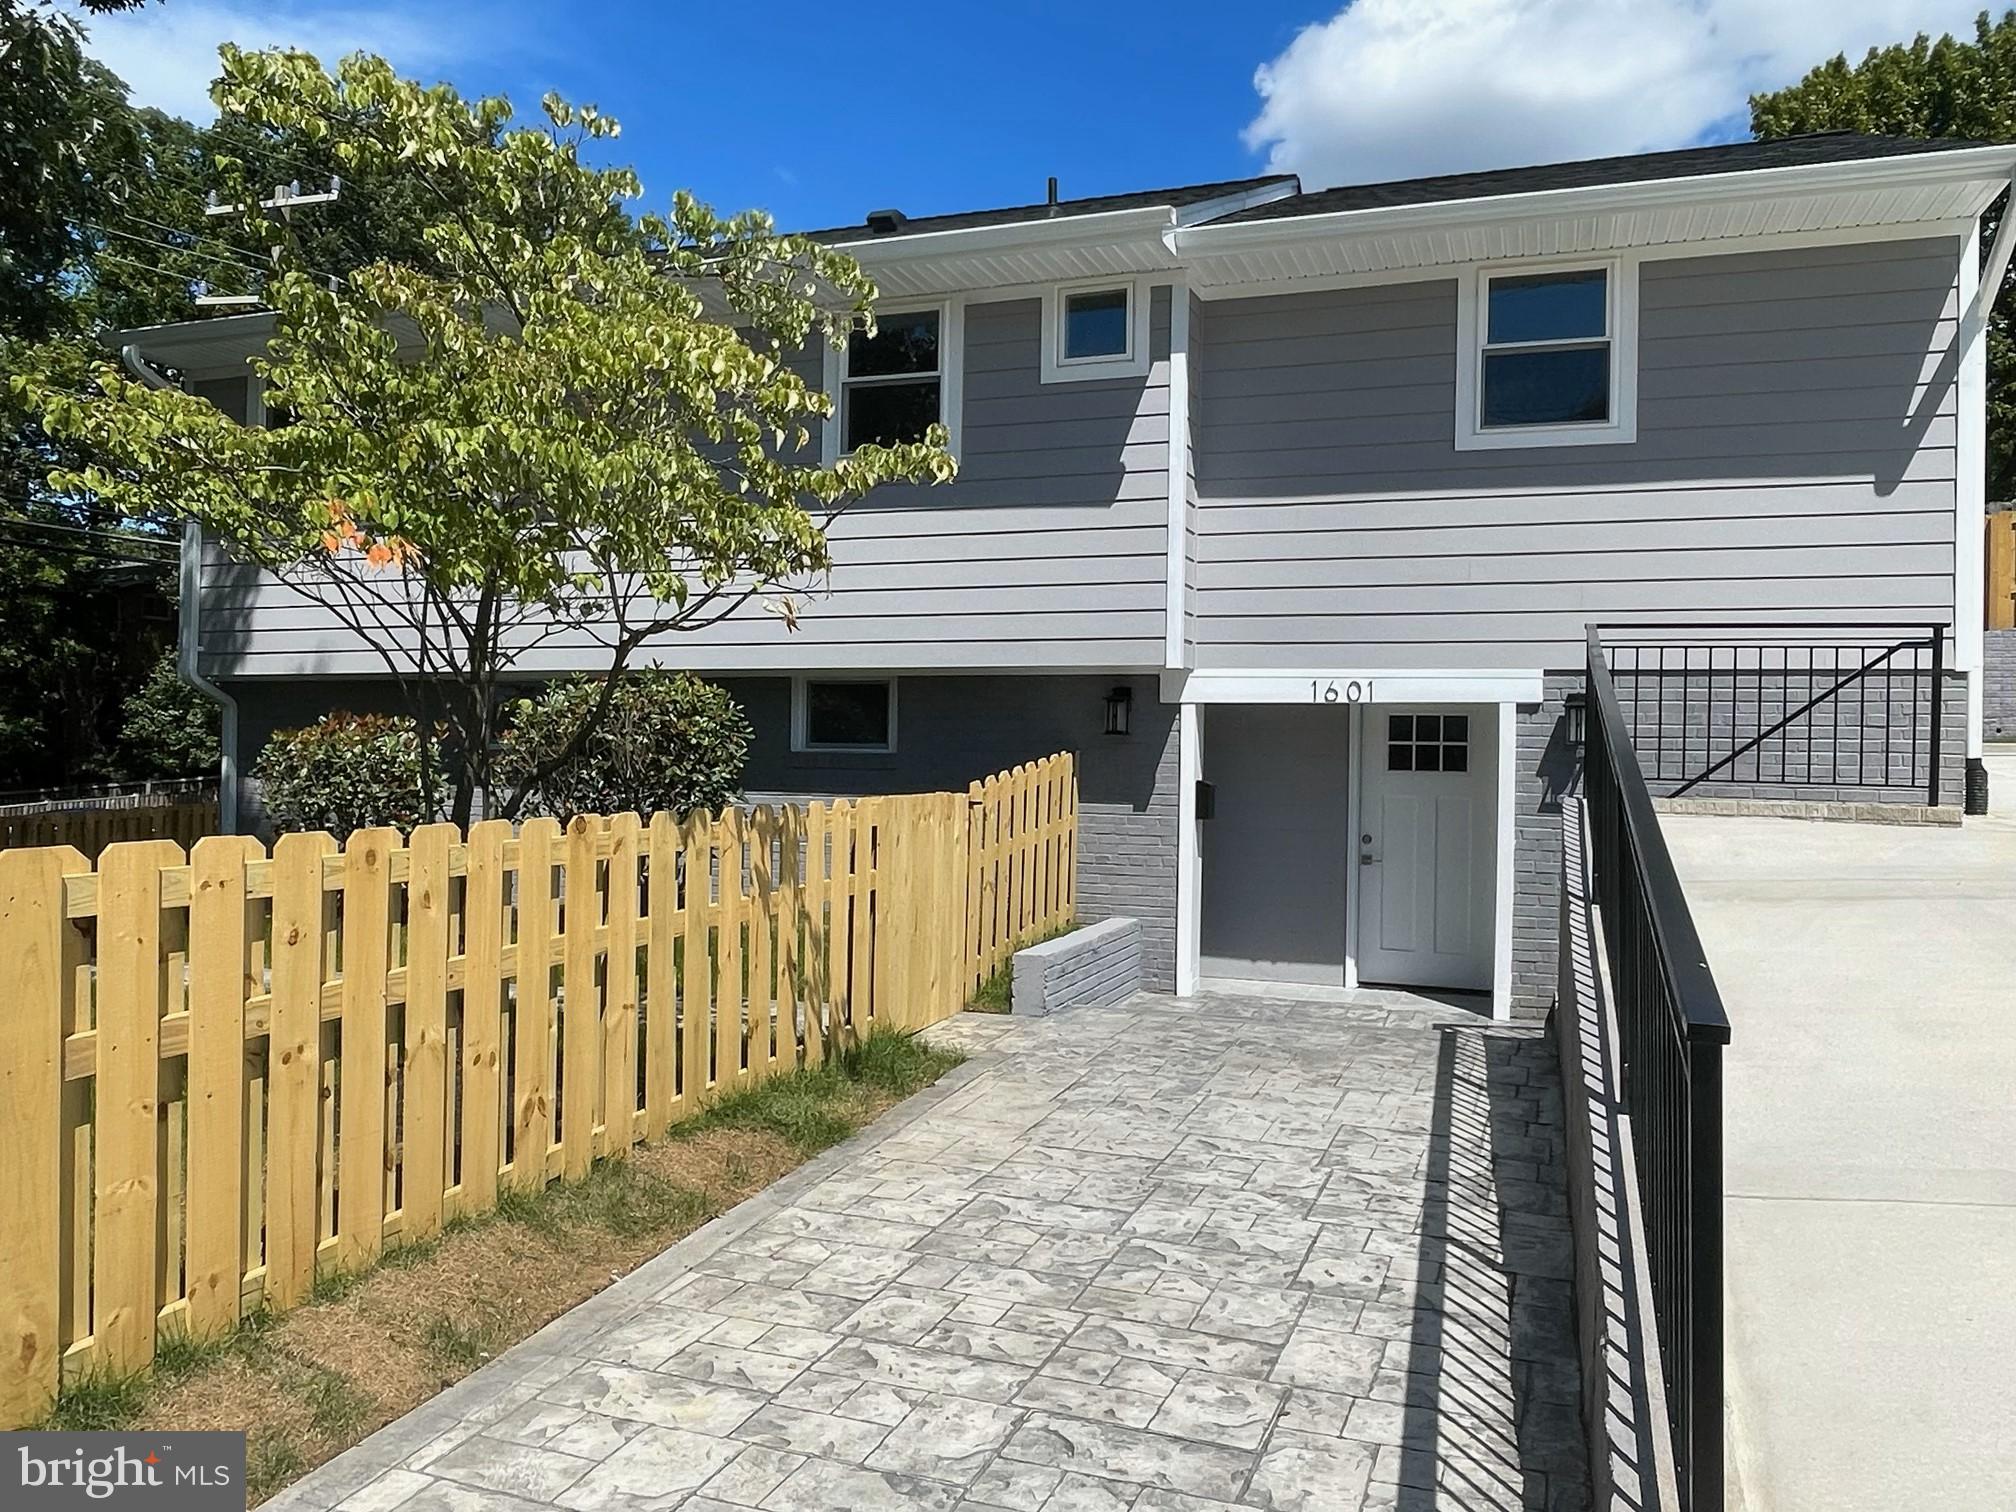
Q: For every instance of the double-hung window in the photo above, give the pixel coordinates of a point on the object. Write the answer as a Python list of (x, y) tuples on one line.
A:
[(1548, 356), (893, 383)]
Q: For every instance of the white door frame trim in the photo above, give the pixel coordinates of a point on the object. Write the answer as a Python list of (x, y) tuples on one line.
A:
[(1508, 840), (1193, 690), (1189, 853)]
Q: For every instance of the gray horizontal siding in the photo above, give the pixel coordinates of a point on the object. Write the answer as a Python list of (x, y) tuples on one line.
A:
[(1795, 457), (1047, 551)]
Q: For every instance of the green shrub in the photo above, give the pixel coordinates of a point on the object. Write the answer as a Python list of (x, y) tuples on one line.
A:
[(668, 741), (345, 772)]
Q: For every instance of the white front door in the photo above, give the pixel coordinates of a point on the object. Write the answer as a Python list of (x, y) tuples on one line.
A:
[(1428, 832)]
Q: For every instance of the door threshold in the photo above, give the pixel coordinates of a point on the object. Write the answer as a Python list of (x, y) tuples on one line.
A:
[(1478, 1003)]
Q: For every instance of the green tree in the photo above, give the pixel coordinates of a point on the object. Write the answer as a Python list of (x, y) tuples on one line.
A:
[(168, 729), (1926, 88), (564, 420)]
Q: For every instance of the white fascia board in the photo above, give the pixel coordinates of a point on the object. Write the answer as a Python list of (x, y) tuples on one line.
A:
[(1352, 685), (1996, 162)]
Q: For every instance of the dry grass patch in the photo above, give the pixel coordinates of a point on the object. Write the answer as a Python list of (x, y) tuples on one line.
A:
[(306, 1385)]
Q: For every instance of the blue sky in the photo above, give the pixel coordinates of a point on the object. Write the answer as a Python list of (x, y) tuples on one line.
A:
[(821, 112)]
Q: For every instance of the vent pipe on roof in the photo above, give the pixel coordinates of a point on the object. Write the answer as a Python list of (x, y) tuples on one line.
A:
[(1052, 201), (886, 222)]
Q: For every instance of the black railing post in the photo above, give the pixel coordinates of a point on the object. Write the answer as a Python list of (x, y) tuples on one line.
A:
[(1704, 1119), (1938, 711)]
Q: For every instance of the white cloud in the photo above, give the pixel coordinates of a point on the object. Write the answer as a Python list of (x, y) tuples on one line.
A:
[(1394, 88), (167, 54)]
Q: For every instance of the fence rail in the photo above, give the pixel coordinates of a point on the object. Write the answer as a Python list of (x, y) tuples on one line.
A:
[(1671, 1030), (224, 1073)]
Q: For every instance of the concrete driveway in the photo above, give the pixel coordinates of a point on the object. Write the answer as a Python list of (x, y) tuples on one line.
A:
[(1177, 1256), (1870, 975)]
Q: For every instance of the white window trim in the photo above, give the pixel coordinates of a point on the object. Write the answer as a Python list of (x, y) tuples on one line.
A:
[(799, 741), (1132, 363), (951, 373), (1622, 322)]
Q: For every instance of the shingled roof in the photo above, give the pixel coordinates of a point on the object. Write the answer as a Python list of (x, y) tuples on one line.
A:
[(1181, 197), (1647, 167)]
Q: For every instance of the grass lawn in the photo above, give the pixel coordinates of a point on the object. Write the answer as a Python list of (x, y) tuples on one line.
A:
[(365, 1349)]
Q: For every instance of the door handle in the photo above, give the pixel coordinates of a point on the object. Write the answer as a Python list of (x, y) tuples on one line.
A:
[(1365, 856)]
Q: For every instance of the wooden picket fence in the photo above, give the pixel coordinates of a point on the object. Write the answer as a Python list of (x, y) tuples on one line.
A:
[(91, 830), (225, 1073), (1022, 846)]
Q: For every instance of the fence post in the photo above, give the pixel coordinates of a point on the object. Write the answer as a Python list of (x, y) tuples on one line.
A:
[(1704, 1120), (32, 988), (1938, 711), (728, 1035)]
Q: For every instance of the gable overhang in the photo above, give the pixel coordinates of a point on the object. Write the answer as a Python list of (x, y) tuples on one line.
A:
[(1022, 253), (1942, 192)]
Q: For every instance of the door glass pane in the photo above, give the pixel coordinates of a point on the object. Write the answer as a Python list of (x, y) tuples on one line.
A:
[(1455, 758), (1399, 757)]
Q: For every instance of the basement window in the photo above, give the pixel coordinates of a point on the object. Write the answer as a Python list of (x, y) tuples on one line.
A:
[(843, 714), (1095, 330)]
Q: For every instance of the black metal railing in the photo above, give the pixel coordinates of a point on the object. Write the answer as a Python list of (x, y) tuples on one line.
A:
[(1756, 705), (1671, 1030)]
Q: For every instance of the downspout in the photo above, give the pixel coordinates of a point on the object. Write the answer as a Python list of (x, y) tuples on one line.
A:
[(188, 638), (1972, 386)]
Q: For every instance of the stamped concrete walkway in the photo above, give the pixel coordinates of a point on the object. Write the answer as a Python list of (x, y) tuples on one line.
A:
[(1176, 1256)]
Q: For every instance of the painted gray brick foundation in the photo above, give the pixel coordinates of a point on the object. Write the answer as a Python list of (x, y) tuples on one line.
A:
[(1998, 686), (1868, 744), (1549, 767)]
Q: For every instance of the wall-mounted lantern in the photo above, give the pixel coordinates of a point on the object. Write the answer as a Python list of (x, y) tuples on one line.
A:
[(1574, 715), (1119, 710)]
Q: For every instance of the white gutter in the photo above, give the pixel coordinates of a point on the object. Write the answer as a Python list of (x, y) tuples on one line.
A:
[(188, 637), (1908, 171)]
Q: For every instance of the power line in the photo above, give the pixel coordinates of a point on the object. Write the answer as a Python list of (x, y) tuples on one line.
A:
[(251, 259)]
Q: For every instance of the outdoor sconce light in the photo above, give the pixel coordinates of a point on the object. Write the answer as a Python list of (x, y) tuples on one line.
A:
[(1119, 710), (1574, 713)]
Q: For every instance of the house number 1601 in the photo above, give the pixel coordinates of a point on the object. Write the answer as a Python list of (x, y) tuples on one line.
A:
[(1330, 692)]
